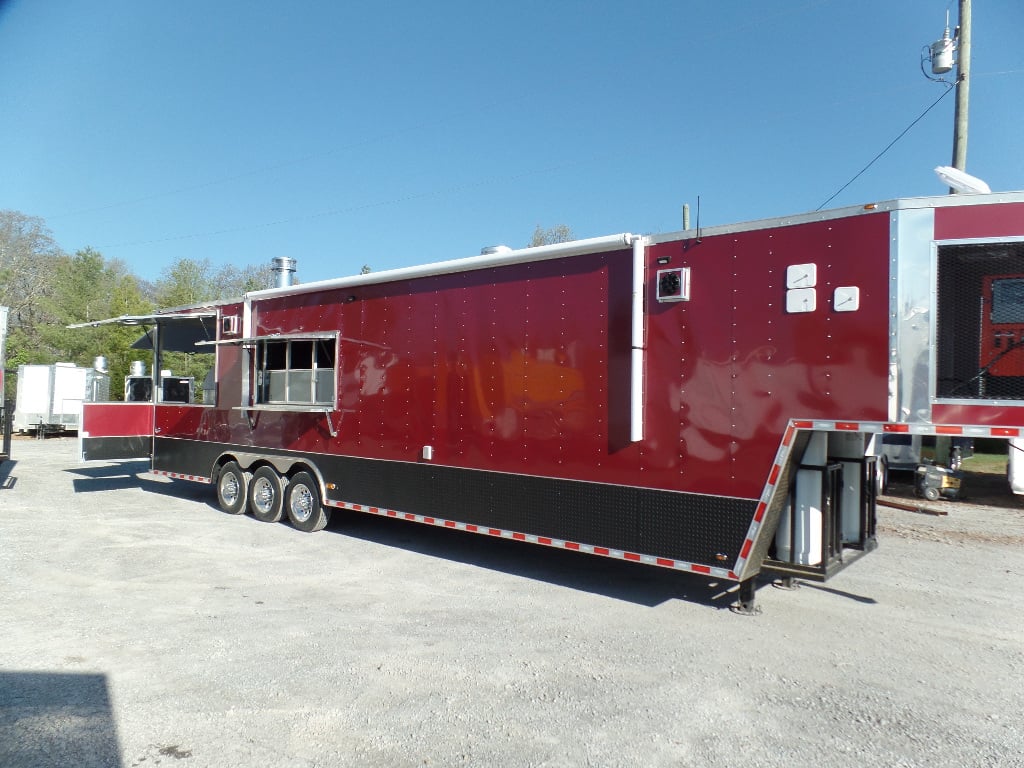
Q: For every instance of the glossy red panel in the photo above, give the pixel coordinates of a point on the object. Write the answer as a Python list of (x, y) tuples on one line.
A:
[(177, 420), (526, 368), (117, 419), (744, 366), (982, 415), (981, 221), (504, 369)]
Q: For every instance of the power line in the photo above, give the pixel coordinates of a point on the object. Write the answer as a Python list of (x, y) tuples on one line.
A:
[(887, 148)]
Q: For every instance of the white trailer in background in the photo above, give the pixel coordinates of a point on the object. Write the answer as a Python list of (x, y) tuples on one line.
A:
[(5, 416), (50, 397)]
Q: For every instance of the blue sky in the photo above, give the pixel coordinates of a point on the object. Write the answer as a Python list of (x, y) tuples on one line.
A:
[(399, 133)]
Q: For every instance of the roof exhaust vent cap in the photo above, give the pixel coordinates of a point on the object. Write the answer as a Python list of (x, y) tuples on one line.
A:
[(283, 268)]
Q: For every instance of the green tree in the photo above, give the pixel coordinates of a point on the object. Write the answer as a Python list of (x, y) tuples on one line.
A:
[(185, 283), (77, 293), (194, 283), (190, 282), (77, 289), (47, 290), (27, 250), (127, 298), (560, 233), (231, 282), (84, 288)]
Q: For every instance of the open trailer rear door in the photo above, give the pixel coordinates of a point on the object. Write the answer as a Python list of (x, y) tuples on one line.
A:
[(116, 431), (125, 430)]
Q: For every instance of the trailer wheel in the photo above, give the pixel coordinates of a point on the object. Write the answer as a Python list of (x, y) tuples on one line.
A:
[(266, 495), (302, 502), (232, 488)]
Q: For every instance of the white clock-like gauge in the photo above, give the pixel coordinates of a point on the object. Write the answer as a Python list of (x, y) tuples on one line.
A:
[(801, 300), (846, 298), (801, 276)]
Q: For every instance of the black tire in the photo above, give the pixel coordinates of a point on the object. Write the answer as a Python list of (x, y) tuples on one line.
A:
[(232, 488), (266, 495), (932, 494), (302, 503)]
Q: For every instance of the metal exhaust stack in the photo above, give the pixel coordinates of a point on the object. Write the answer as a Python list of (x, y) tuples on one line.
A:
[(283, 268)]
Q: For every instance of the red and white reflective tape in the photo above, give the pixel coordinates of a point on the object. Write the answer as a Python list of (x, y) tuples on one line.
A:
[(876, 427), (545, 541), (180, 476), (866, 427), (781, 457)]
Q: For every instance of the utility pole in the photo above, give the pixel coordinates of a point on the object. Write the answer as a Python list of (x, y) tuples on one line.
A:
[(963, 86)]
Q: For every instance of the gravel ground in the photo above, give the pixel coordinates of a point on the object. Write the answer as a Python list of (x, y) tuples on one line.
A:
[(140, 626)]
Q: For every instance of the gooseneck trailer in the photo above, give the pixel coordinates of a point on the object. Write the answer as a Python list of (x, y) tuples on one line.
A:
[(709, 401)]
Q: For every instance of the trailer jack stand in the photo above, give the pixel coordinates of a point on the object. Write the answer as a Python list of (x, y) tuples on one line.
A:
[(745, 603)]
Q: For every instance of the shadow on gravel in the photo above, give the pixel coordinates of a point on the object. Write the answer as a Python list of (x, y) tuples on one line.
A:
[(56, 719), (631, 582), (839, 593), (107, 477), (180, 489), (135, 474), (7, 480)]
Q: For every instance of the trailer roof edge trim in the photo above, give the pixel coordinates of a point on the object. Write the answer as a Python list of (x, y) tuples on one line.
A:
[(521, 256), (885, 206)]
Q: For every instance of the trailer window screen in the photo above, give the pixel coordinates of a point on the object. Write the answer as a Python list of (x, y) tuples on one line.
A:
[(979, 340), (296, 371)]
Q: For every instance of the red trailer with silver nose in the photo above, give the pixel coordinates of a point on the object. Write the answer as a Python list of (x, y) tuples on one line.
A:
[(708, 401)]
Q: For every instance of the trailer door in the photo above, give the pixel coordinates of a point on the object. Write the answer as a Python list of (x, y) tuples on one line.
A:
[(116, 431)]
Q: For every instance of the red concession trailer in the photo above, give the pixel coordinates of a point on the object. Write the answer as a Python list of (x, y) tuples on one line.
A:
[(708, 401)]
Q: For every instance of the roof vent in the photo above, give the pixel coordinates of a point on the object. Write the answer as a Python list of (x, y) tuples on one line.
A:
[(490, 250)]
